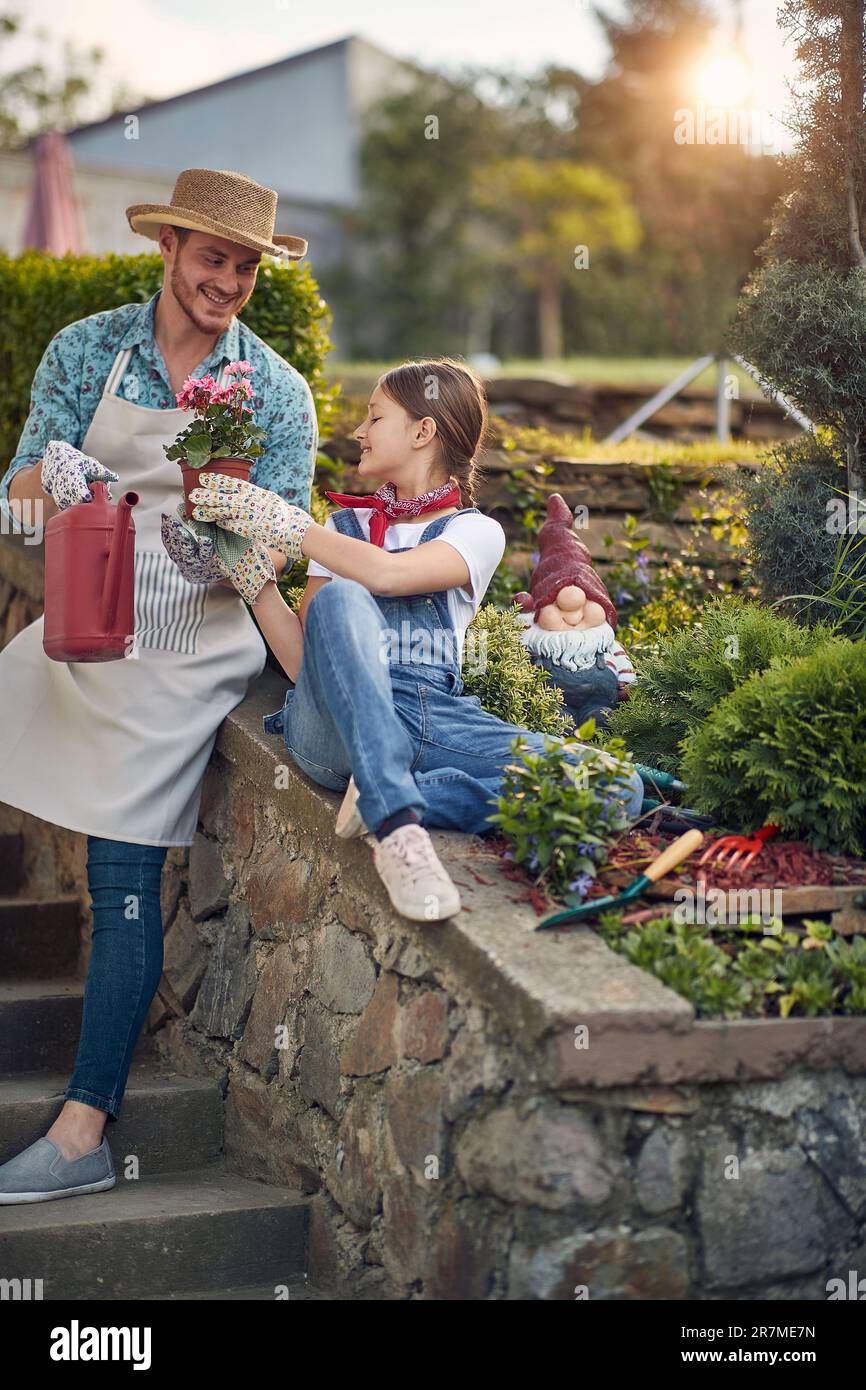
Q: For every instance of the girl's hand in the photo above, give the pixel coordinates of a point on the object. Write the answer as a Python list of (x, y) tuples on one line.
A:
[(262, 516)]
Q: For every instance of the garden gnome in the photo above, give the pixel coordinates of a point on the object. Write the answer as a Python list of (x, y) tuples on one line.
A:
[(571, 622)]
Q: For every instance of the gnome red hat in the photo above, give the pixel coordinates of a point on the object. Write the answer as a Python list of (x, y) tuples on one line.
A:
[(563, 559)]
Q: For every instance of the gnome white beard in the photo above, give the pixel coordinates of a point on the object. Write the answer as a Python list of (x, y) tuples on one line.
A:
[(575, 650)]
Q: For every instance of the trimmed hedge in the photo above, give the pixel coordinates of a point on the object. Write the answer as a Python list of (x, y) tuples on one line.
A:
[(40, 294)]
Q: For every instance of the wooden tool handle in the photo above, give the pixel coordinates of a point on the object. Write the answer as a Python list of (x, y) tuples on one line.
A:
[(674, 854)]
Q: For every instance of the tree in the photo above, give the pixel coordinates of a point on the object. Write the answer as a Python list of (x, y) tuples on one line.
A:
[(562, 214), (802, 319), (424, 275), (703, 207), (34, 99)]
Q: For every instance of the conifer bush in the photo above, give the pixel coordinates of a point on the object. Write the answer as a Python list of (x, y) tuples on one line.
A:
[(696, 667), (788, 747)]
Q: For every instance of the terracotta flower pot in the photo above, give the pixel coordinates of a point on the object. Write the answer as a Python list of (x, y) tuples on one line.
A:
[(234, 468)]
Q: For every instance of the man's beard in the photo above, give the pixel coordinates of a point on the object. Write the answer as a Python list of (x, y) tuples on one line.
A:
[(185, 293)]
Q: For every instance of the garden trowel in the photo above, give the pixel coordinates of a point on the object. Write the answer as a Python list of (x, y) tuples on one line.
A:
[(667, 860)]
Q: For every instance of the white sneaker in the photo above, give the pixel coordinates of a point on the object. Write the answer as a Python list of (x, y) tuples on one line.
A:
[(418, 885), (350, 822)]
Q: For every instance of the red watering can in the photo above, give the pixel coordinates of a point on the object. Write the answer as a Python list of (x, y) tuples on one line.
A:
[(89, 583)]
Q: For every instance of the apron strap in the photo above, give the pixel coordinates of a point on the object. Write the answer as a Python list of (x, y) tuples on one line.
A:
[(121, 362), (115, 376)]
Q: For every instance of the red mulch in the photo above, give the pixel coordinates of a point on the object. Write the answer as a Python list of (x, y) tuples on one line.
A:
[(780, 864)]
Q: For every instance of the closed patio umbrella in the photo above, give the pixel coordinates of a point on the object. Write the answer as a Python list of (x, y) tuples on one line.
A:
[(54, 223)]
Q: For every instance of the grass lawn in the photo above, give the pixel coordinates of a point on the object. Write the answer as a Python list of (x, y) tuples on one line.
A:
[(651, 372)]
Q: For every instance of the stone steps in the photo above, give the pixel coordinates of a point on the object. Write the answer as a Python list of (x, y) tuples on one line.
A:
[(193, 1230), (168, 1122), (297, 1289), (39, 939), (11, 863), (40, 1021), (178, 1224)]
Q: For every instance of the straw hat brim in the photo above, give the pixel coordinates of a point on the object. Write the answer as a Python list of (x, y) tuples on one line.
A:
[(147, 218)]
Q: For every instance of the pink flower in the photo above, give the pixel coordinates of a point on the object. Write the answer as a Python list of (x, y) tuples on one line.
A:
[(241, 368), (196, 393)]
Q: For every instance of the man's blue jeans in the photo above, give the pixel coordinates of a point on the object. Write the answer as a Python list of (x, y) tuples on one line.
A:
[(408, 739), (125, 967)]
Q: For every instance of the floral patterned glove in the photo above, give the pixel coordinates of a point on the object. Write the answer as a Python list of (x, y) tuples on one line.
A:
[(199, 560), (263, 516), (194, 555), (66, 473)]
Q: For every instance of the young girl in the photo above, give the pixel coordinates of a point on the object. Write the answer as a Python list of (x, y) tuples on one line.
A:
[(375, 652)]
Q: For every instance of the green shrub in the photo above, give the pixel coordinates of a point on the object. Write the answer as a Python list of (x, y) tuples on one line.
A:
[(731, 974), (791, 550), (40, 294), (557, 815), (789, 747), (499, 670), (692, 669)]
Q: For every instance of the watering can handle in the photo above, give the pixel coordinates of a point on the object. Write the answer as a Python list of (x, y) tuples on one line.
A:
[(673, 855)]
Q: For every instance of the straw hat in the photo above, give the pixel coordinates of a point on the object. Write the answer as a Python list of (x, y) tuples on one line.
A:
[(225, 203)]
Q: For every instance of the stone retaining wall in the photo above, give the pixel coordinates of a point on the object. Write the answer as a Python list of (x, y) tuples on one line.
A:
[(477, 1110)]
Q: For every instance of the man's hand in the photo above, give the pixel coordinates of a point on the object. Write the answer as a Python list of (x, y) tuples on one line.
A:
[(66, 473), (262, 516), (199, 562)]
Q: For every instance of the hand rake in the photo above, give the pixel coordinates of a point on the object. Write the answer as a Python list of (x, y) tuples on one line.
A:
[(739, 850)]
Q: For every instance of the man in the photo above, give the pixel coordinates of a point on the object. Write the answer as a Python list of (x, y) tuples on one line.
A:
[(117, 750)]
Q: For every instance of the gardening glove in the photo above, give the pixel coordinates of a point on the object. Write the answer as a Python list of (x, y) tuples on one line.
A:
[(205, 553), (66, 473), (262, 516)]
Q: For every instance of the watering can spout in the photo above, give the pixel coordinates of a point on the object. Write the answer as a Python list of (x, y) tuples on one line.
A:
[(116, 557)]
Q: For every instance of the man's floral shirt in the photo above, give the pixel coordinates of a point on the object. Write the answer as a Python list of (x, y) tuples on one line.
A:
[(75, 366)]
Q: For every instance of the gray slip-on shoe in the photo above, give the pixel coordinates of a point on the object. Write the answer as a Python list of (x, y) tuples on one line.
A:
[(41, 1173)]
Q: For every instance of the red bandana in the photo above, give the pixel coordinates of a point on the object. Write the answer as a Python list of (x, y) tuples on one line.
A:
[(388, 507)]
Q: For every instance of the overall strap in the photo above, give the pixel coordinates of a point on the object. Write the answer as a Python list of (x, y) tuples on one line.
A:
[(347, 523), (438, 526)]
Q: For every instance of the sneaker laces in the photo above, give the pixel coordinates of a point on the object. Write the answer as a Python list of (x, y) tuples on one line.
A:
[(413, 848)]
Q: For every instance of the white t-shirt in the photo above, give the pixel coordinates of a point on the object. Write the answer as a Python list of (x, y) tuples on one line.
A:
[(478, 538)]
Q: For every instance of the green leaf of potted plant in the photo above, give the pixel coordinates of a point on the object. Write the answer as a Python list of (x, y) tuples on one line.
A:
[(222, 437)]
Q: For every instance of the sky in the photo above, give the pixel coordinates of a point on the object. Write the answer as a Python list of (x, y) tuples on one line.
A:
[(160, 47)]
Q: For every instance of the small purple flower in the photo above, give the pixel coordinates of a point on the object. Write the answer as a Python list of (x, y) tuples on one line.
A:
[(535, 557), (533, 862), (581, 885), (623, 597), (642, 560)]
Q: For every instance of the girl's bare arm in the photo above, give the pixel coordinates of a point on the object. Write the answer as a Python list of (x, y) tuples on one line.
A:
[(422, 570), (281, 629)]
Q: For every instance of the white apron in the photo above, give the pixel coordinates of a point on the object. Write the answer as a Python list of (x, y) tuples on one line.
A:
[(117, 749)]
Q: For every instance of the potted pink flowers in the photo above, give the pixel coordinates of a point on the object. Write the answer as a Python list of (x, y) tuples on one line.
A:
[(222, 437)]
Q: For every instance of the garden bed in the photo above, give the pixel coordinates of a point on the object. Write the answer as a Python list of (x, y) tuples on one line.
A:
[(784, 937)]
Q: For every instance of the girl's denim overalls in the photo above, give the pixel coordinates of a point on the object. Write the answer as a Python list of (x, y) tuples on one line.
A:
[(379, 696)]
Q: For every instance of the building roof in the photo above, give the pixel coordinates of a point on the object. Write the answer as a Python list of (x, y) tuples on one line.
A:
[(269, 69)]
